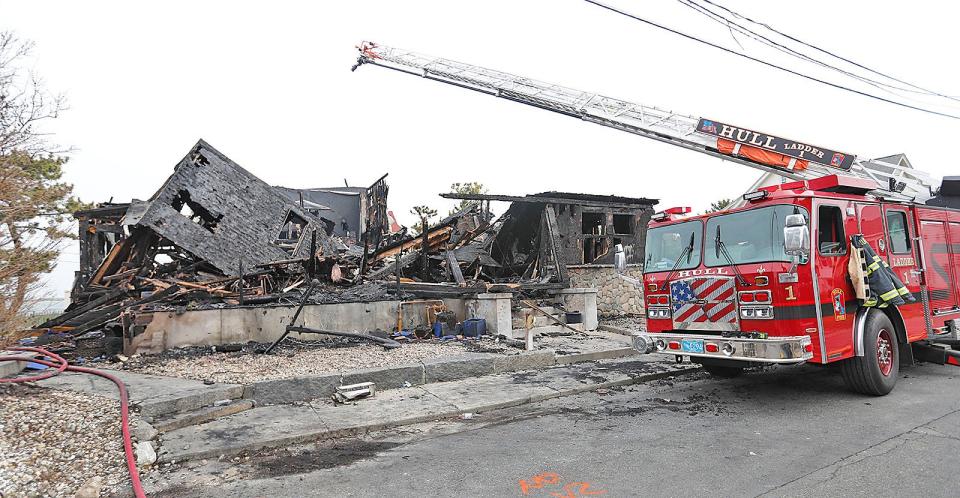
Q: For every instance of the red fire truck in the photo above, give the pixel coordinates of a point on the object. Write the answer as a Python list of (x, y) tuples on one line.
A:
[(769, 283)]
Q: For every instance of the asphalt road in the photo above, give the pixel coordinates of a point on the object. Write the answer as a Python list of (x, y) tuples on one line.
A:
[(787, 432)]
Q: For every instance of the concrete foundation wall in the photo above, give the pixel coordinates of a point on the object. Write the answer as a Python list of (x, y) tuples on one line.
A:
[(166, 330), (615, 296), (160, 331)]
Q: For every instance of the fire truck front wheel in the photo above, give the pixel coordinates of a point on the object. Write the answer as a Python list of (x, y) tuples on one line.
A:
[(876, 371)]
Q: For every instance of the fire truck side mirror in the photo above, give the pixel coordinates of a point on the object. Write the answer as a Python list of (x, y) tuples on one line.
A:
[(796, 236), (620, 259)]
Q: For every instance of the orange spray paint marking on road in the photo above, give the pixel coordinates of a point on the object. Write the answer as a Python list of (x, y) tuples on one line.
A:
[(539, 481), (569, 490)]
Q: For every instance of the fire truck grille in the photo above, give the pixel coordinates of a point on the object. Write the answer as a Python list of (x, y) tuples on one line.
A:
[(704, 303)]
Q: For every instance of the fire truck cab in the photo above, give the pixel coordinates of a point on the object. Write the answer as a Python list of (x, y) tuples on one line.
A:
[(770, 283)]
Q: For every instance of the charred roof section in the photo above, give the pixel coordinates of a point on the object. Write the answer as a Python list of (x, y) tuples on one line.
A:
[(220, 212)]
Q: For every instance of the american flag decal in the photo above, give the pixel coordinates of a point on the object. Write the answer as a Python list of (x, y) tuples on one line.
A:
[(704, 303)]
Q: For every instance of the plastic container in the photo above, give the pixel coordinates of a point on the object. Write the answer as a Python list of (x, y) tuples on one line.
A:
[(574, 317), (474, 327)]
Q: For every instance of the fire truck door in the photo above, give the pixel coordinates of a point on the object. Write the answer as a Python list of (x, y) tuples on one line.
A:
[(836, 220)]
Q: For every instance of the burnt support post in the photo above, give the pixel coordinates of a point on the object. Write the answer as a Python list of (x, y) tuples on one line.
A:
[(424, 258), (312, 262), (397, 271)]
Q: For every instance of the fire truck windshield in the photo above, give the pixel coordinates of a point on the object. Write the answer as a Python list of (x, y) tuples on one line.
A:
[(667, 243), (752, 236)]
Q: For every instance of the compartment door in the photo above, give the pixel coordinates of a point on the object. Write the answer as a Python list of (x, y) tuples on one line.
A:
[(937, 255)]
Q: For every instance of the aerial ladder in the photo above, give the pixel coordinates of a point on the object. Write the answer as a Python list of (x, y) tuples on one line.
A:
[(787, 158)]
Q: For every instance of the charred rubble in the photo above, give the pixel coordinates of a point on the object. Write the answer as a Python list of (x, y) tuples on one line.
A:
[(215, 235)]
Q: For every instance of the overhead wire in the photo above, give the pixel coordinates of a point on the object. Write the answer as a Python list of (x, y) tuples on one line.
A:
[(831, 54), (770, 64), (749, 33)]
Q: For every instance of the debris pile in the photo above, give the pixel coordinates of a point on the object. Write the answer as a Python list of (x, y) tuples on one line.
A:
[(214, 235)]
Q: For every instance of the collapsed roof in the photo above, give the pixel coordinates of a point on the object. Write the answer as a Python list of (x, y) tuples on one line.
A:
[(219, 212)]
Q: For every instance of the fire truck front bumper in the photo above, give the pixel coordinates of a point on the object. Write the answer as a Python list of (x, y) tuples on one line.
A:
[(783, 350)]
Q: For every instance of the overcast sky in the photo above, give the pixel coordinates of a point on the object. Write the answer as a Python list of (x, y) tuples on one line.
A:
[(269, 84)]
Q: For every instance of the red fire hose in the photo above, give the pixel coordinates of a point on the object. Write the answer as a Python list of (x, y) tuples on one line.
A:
[(60, 365)]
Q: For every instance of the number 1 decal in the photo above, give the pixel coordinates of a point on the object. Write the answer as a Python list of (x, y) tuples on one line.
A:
[(790, 296)]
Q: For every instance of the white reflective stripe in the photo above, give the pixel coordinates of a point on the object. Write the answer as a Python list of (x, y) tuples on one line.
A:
[(736, 149), (792, 163)]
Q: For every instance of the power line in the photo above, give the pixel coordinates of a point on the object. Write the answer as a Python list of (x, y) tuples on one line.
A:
[(770, 64), (831, 54), (745, 31)]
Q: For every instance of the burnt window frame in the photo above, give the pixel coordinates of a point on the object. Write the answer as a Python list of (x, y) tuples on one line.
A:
[(602, 214), (843, 230), (906, 230)]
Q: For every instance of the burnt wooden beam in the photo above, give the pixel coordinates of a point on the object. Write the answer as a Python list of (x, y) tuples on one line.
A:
[(107, 298), (101, 317), (553, 239)]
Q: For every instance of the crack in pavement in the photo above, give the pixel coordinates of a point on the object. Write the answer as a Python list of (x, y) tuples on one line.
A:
[(935, 433), (840, 461), (843, 465)]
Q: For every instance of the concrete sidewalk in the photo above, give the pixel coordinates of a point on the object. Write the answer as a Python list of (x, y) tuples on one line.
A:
[(281, 425), (154, 395)]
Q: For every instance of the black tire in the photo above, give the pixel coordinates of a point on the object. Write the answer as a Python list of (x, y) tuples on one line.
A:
[(876, 371), (725, 372)]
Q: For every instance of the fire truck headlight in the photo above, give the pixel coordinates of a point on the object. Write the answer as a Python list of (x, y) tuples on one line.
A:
[(658, 313), (756, 312)]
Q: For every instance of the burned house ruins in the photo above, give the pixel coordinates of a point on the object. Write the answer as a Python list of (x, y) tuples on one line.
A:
[(573, 236), (215, 242)]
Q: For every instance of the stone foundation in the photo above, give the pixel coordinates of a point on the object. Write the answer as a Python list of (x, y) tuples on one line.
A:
[(615, 296)]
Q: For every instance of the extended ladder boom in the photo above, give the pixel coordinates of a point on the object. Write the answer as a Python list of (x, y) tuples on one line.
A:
[(647, 121)]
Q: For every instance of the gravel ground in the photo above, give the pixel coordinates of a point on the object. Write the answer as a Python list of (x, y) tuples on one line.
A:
[(296, 360), (54, 442), (626, 322)]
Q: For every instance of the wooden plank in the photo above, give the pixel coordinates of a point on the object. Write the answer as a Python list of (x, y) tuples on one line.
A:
[(553, 233), (117, 276), (391, 268), (434, 238), (548, 315), (108, 261), (105, 299), (455, 269)]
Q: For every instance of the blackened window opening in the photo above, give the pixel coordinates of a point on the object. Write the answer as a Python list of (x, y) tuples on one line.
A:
[(291, 231), (623, 224), (195, 212)]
